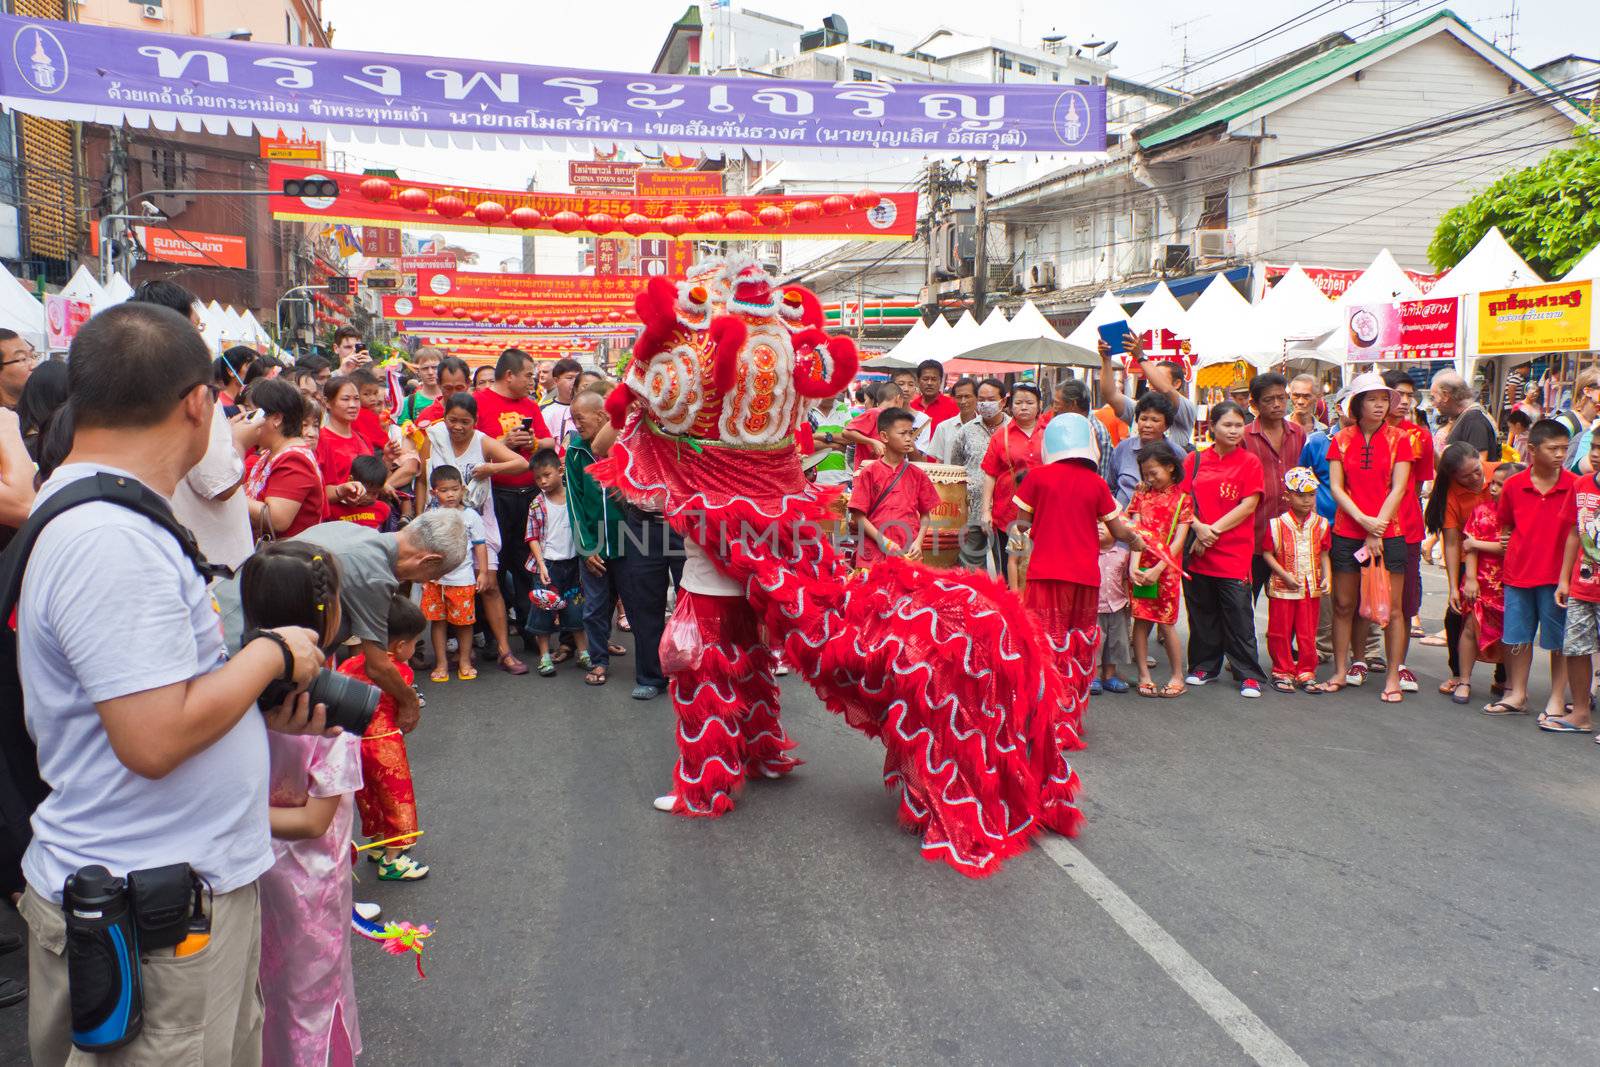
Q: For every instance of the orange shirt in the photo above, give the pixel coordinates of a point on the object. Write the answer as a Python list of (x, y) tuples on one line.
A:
[(1459, 503)]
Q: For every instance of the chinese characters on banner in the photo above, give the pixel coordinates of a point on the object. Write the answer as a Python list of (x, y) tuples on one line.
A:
[(1540, 318), (1410, 329)]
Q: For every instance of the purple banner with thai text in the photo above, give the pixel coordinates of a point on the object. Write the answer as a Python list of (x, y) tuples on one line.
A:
[(97, 74)]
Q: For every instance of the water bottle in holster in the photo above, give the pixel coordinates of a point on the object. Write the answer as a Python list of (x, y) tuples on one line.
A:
[(103, 982)]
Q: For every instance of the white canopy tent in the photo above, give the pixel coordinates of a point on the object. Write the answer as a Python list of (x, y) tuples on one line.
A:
[(1105, 311), (1160, 311), (964, 336), (1587, 268), (20, 310), (83, 286), (1294, 317), (1028, 324), (1221, 328), (1492, 264), (118, 290), (907, 352), (1381, 283)]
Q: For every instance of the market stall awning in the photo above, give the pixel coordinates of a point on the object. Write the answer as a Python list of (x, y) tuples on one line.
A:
[(1194, 283), (1222, 330), (1492, 264), (87, 73)]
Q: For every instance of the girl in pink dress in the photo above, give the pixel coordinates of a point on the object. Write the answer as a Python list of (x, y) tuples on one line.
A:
[(306, 980), (1161, 511)]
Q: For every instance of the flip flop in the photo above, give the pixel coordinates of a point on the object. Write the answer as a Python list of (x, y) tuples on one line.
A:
[(1310, 687), (1448, 686), (597, 676), (561, 655), (1332, 685), (1148, 689), (467, 674), (1431, 641), (616, 650), (1391, 696), (1500, 707), (1169, 691), (1283, 685), (1562, 726), (440, 675)]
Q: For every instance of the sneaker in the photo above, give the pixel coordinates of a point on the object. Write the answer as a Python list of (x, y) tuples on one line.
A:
[(547, 666), (1198, 678), (645, 692), (666, 803), (1250, 689), (1357, 674), (780, 670), (401, 869), (368, 910), (584, 661), (1408, 681)]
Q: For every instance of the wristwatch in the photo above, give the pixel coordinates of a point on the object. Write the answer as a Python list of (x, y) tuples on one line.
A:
[(283, 646)]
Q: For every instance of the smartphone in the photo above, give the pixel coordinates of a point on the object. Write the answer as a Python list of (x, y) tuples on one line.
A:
[(527, 424), (1362, 555), (255, 417)]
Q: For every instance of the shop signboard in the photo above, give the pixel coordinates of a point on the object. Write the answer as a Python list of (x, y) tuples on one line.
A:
[(1402, 331), (1539, 318)]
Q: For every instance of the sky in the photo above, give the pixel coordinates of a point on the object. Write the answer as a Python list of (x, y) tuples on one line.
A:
[(1151, 38)]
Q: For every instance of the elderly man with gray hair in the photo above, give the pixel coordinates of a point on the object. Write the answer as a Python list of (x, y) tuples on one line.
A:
[(371, 567), (1457, 401)]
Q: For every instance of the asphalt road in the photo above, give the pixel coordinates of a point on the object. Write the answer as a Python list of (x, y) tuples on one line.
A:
[(1376, 884)]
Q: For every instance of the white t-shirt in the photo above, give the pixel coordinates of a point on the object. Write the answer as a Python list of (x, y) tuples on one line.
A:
[(558, 541), (558, 417), (222, 527), (110, 606), (465, 573), (700, 575)]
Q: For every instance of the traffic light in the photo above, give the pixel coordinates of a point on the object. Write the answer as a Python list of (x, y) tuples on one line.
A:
[(311, 187), (339, 285)]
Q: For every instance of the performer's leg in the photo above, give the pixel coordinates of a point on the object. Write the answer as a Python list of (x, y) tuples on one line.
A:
[(766, 745), (707, 700)]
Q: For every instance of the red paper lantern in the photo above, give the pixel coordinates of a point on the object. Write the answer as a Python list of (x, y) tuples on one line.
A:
[(513, 320), (637, 224), (525, 218), (489, 212), (441, 309), (613, 316), (806, 211), (377, 190), (458, 313), (475, 315), (709, 221), (772, 217), (864, 199), (566, 221), (740, 219), (413, 199), (678, 225), (450, 207), (599, 222), (835, 205)]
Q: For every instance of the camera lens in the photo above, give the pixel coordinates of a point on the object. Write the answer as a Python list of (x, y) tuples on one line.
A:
[(350, 702)]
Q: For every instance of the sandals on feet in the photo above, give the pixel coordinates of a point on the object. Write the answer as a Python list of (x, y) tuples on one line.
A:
[(616, 650), (1462, 694), (547, 666), (1562, 726), (596, 676), (1283, 685), (1500, 707), (1148, 689), (468, 673), (1171, 690), (1391, 696), (440, 674)]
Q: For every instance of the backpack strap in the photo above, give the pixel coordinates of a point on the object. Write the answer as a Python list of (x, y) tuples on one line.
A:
[(21, 788)]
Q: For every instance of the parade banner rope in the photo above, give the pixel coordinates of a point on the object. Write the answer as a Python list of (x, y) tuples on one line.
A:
[(371, 201), (85, 73)]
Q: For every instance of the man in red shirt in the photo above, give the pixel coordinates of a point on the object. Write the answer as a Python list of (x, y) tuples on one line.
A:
[(892, 498), (1534, 506), (1411, 525), (931, 400), (507, 411), (1276, 441)]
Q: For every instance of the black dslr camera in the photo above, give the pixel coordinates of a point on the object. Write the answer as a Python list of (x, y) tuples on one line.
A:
[(350, 702)]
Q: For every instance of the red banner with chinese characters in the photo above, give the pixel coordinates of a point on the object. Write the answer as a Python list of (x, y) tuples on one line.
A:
[(1334, 281), (1408, 329), (369, 201), (436, 285)]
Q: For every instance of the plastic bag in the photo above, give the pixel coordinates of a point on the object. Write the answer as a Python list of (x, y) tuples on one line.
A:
[(1375, 593), (682, 645)]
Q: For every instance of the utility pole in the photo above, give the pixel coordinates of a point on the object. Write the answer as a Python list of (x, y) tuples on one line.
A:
[(980, 255)]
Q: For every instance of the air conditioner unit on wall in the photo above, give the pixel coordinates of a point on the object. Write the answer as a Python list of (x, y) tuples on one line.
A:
[(155, 11), (1042, 274), (1215, 244), (1172, 259)]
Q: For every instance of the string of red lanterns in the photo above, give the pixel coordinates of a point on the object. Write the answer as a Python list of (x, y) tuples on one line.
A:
[(492, 212)]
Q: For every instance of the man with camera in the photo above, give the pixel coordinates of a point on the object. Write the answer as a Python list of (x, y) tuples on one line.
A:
[(146, 730)]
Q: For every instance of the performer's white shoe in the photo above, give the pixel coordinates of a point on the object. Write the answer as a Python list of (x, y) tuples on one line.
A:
[(368, 910), (666, 803)]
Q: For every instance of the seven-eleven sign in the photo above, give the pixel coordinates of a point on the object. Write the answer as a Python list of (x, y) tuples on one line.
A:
[(849, 314)]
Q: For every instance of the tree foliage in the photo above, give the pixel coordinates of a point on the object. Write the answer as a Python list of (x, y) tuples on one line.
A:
[(1549, 212)]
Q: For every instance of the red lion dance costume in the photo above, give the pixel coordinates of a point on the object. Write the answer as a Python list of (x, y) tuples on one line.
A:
[(944, 667)]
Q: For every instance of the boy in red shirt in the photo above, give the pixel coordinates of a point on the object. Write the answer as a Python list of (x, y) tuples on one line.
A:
[(892, 499), (1579, 593), (1535, 506)]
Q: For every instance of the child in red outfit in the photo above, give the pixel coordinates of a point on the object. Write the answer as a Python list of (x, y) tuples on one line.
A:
[(369, 511), (892, 499), (1162, 512), (387, 800), (1299, 542)]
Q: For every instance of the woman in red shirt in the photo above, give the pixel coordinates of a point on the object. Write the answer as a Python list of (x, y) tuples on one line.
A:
[(339, 443), (1013, 451), (1226, 482), (1369, 468), (284, 484)]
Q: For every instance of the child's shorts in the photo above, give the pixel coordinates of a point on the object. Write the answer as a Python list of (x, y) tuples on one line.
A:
[(449, 603)]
